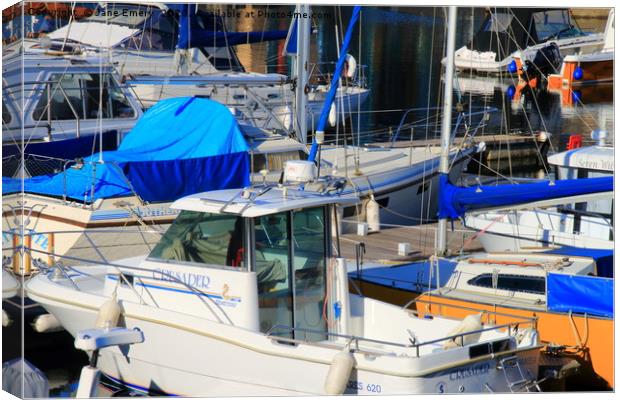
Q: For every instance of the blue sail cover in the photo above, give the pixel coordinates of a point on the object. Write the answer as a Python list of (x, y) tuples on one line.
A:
[(580, 294), (179, 147), (455, 201), (329, 99), (192, 35)]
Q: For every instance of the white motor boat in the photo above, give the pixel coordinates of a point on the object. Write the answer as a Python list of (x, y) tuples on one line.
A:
[(580, 221), (244, 296), (507, 32)]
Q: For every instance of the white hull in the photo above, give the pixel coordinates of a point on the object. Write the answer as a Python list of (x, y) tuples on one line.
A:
[(466, 59), (526, 230), (191, 356)]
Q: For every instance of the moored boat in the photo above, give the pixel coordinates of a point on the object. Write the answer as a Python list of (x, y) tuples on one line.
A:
[(248, 280)]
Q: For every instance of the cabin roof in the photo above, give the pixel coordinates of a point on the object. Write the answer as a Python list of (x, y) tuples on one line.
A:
[(530, 264), (271, 201), (590, 157)]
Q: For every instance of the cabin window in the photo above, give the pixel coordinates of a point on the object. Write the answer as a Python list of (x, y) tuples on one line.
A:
[(203, 238), (553, 23), (82, 94), (513, 283), (290, 256)]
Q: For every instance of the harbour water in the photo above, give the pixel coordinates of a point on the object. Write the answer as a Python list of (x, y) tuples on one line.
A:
[(401, 48)]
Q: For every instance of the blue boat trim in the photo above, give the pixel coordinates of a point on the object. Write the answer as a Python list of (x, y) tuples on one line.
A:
[(148, 285)]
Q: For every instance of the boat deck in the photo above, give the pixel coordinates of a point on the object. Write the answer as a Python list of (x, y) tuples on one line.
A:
[(382, 247)]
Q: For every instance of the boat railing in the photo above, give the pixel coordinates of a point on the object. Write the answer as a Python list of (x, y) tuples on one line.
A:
[(491, 316), (55, 263), (322, 72), (278, 331), (461, 117)]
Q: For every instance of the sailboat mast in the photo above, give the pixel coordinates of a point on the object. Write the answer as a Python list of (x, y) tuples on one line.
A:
[(446, 124), (303, 48)]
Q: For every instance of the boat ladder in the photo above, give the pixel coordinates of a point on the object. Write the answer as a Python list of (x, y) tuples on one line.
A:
[(517, 382)]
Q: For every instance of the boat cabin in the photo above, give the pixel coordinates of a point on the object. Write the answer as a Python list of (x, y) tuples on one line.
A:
[(61, 104), (549, 281), (259, 258)]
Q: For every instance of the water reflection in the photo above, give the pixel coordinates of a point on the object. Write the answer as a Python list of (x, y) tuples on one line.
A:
[(403, 47)]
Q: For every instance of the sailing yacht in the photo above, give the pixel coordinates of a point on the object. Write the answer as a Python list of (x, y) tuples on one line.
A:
[(584, 221)]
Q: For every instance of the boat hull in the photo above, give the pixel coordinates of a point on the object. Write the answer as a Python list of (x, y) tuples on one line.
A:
[(183, 360), (597, 371)]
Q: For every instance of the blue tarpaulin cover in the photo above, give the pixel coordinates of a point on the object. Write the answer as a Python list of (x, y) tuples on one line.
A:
[(455, 201), (191, 34), (580, 294), (180, 146), (604, 258)]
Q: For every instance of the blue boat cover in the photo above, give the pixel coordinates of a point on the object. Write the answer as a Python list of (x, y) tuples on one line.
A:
[(455, 201), (416, 277), (580, 294), (192, 35), (180, 146), (604, 258)]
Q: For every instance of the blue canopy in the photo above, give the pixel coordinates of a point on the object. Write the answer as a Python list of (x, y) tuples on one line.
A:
[(580, 294), (179, 147), (455, 201), (192, 35)]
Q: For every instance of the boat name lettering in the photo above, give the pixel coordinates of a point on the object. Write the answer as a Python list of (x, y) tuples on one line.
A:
[(359, 387), (463, 373), (192, 280)]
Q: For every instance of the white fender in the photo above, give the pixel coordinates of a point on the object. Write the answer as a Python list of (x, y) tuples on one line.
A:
[(332, 115), (46, 323), (108, 314), (6, 320), (339, 372), (285, 115), (372, 215), (350, 66)]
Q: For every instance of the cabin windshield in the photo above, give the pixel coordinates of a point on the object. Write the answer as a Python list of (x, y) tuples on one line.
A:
[(291, 247), (554, 23), (203, 239), (77, 95)]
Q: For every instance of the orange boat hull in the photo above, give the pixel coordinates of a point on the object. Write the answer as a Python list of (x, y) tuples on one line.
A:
[(596, 334)]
